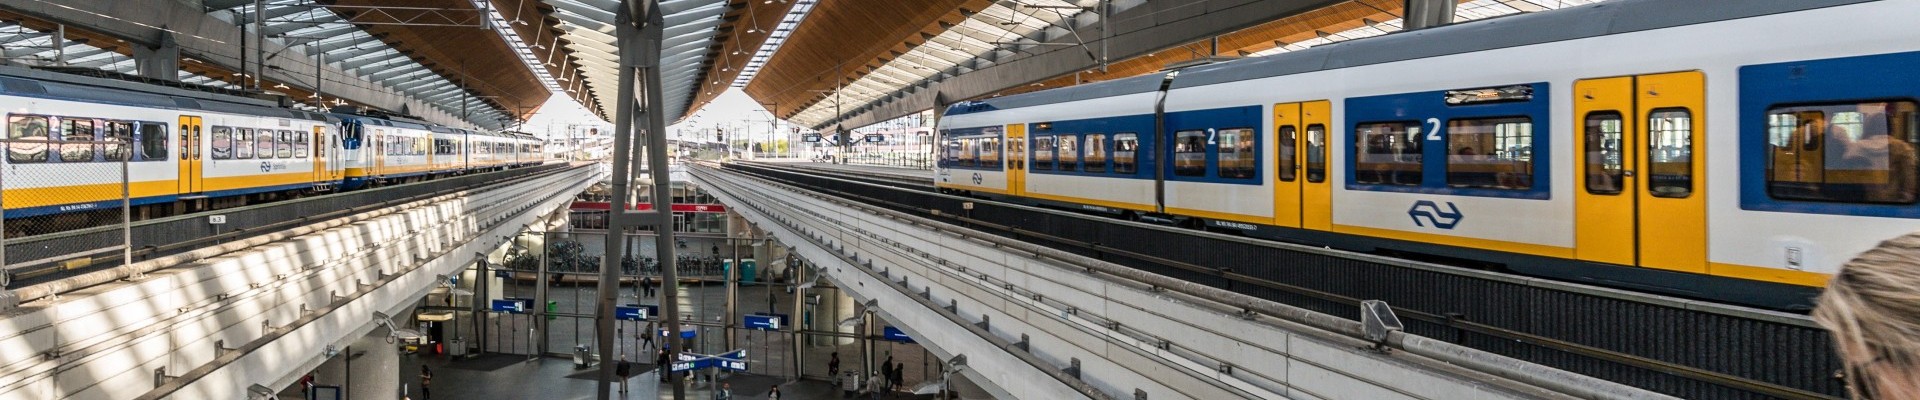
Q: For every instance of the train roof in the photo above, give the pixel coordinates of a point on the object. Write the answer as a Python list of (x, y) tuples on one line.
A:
[(1118, 87), (1593, 20), (28, 82)]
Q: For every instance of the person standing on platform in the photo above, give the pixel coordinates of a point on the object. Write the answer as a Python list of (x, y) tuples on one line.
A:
[(873, 385), (774, 394), (725, 392), (426, 378), (666, 370), (886, 373), (1874, 314), (899, 375)]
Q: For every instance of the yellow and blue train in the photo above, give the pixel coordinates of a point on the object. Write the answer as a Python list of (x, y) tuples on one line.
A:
[(1737, 152), (195, 149)]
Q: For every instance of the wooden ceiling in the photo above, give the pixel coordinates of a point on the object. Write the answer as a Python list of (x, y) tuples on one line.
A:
[(843, 40), (1294, 29), (474, 58), (541, 31), (722, 65)]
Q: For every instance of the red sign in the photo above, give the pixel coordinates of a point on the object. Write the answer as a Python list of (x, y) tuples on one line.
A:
[(687, 208)]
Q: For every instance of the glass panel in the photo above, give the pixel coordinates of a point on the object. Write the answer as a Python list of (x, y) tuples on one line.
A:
[(968, 155), (117, 135), (1237, 157), (1389, 153), (1316, 153), (1605, 158), (1855, 153), (27, 128), (1190, 153), (1068, 152), (77, 130), (1125, 147), (1043, 152), (283, 146), (1494, 153), (263, 144), (153, 142), (1096, 148), (1285, 156), (222, 143), (300, 147), (1670, 153), (243, 143), (990, 152)]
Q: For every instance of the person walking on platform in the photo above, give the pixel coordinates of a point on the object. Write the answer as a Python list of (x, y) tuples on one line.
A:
[(833, 365), (666, 370), (897, 376), (1874, 314), (725, 392), (886, 373), (774, 394), (873, 385)]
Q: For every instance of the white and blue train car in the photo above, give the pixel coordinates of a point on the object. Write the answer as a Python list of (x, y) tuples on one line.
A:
[(1601, 143)]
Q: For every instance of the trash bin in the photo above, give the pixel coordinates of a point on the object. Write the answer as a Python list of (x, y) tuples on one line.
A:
[(582, 356), (457, 347)]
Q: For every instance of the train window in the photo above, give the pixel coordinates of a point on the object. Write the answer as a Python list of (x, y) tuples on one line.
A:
[(153, 141), (243, 143), (1316, 153), (1237, 157), (222, 143), (1288, 137), (31, 131), (1190, 153), (1670, 152), (1389, 153), (969, 155), (1605, 158), (1125, 147), (77, 130), (1067, 150), (1043, 152), (300, 148), (263, 144), (1493, 153), (283, 147), (952, 154), (1847, 152), (990, 152), (118, 135), (1096, 148)]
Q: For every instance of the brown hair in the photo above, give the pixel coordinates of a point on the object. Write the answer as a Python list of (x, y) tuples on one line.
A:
[(1872, 308)]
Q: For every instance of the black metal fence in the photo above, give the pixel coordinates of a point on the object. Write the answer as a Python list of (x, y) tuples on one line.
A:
[(1682, 352)]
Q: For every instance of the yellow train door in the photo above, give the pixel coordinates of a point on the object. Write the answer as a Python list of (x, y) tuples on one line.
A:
[(190, 177), (1640, 148), (1015, 154), (1287, 153), (1303, 194)]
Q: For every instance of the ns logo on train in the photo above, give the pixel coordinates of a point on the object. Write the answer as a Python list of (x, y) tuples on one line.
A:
[(1431, 211)]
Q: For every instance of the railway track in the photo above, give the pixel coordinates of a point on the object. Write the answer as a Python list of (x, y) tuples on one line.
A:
[(1681, 347)]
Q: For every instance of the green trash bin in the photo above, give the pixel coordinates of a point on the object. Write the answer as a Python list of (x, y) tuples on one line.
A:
[(747, 271)]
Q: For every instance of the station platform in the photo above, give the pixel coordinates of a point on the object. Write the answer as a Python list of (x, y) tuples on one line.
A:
[(916, 176)]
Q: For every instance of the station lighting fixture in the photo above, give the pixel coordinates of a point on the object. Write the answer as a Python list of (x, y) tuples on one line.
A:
[(394, 331)]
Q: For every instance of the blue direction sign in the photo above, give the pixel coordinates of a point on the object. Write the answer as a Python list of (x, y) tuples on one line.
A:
[(636, 312), (514, 306), (894, 334), (686, 332), (733, 360), (766, 322)]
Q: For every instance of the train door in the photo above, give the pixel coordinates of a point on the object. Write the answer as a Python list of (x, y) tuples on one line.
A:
[(190, 168), (1302, 196), (1014, 151), (1641, 196)]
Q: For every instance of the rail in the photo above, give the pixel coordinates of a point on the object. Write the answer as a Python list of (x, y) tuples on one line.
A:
[(52, 278)]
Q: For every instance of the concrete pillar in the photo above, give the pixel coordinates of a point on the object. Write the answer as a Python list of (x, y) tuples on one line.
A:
[(1421, 14), (162, 62)]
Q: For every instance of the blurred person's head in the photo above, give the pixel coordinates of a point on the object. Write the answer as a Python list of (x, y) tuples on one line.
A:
[(1872, 308)]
